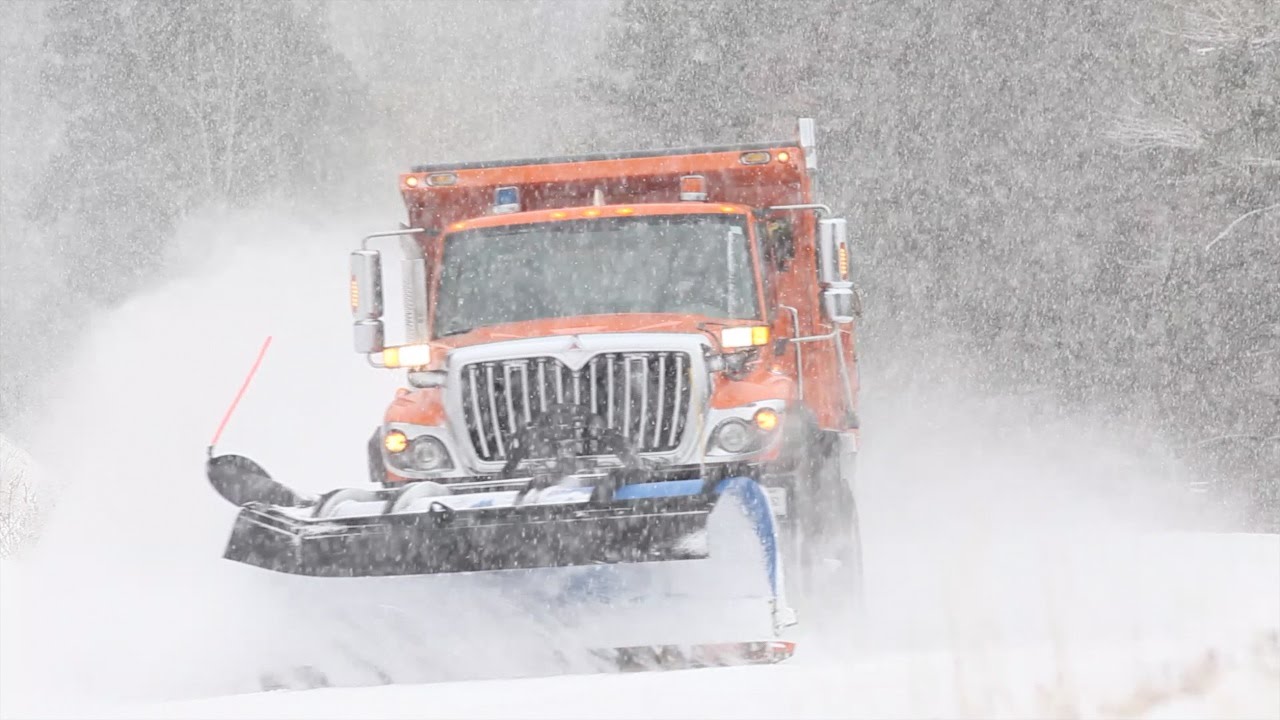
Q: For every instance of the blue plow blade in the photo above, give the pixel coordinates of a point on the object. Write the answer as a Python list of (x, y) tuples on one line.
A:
[(734, 594), (751, 498)]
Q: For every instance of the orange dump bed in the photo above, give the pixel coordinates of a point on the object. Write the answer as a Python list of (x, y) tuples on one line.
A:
[(754, 175)]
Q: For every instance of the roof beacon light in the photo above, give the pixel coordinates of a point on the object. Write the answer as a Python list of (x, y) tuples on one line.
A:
[(693, 188), (506, 200), (809, 143)]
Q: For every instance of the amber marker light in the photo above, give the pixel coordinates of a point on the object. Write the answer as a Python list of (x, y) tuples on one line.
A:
[(591, 213), (742, 337), (784, 156), (411, 181), (559, 215), (406, 356), (458, 225), (625, 210), (395, 441), (766, 419)]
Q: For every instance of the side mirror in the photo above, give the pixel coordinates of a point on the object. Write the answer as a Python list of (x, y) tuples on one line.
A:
[(366, 301), (838, 298)]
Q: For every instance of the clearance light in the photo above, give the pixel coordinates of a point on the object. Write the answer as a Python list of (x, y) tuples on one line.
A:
[(625, 211), (406, 356), (395, 441), (766, 419), (727, 208), (693, 188), (559, 214), (458, 225), (442, 179), (411, 181), (784, 156), (741, 337), (755, 157), (591, 213)]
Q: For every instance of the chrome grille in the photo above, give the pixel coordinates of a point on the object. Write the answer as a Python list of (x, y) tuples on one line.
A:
[(644, 395)]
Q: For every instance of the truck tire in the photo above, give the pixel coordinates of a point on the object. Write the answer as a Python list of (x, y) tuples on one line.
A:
[(825, 561)]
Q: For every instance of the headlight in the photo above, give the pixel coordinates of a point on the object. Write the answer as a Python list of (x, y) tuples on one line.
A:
[(739, 435), (735, 436), (428, 453), (424, 453)]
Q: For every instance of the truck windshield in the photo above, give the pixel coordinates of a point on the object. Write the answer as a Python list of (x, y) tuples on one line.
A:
[(687, 264)]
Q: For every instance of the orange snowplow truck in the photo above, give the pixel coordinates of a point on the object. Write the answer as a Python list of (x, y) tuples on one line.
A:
[(695, 302)]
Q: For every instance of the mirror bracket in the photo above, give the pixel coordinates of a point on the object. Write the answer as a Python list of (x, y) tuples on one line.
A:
[(366, 294)]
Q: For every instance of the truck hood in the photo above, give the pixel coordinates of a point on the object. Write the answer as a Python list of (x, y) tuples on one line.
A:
[(594, 324)]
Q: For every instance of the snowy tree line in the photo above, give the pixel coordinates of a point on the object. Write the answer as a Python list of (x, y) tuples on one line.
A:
[(1081, 197), (1085, 196)]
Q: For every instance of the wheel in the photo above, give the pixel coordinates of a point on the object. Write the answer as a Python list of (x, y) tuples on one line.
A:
[(824, 562)]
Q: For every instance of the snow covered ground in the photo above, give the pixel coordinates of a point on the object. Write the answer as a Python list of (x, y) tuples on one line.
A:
[(889, 686), (1168, 626), (1019, 564)]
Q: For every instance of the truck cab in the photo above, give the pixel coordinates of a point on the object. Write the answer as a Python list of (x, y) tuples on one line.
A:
[(694, 305)]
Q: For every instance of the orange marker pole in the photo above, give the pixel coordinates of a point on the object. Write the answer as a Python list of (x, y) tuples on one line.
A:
[(239, 394)]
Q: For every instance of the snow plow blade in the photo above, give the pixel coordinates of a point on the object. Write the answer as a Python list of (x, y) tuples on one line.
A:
[(444, 540), (625, 572)]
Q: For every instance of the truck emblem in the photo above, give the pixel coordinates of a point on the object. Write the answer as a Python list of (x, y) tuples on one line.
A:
[(575, 357)]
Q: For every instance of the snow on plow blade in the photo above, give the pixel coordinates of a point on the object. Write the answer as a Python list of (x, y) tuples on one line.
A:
[(429, 528), (446, 540)]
